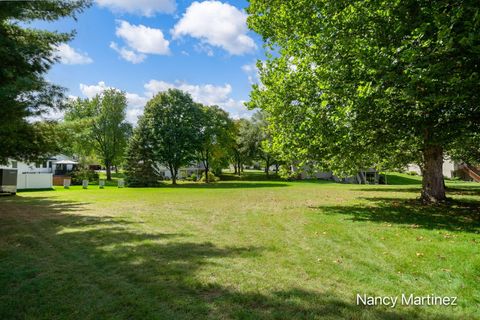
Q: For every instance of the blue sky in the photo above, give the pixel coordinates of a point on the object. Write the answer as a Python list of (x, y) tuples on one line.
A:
[(146, 46)]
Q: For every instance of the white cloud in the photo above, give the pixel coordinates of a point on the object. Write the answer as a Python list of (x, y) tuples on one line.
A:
[(129, 55), (136, 100), (69, 55), (204, 48), (142, 7), (208, 94), (136, 103), (252, 72), (142, 39), (91, 91), (218, 24)]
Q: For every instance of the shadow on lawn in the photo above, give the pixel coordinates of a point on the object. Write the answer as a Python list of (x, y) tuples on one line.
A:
[(455, 216), (458, 190), (88, 267)]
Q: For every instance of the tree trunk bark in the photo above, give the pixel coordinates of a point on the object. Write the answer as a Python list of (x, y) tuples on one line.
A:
[(109, 171), (433, 187), (206, 174), (173, 173)]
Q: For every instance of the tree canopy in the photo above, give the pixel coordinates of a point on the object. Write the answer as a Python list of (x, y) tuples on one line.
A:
[(358, 84), (26, 55), (214, 136), (172, 118), (99, 126)]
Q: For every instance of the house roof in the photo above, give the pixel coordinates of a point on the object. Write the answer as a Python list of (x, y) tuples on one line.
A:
[(66, 162)]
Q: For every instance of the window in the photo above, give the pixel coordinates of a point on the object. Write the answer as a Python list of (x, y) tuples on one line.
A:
[(37, 165), (50, 164), (14, 164)]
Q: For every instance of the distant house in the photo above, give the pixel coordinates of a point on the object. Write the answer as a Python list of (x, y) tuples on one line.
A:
[(368, 176), (40, 175), (184, 172), (452, 169)]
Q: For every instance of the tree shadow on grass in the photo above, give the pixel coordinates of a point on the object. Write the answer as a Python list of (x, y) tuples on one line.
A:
[(79, 266), (398, 179), (454, 216), (457, 190), (389, 189)]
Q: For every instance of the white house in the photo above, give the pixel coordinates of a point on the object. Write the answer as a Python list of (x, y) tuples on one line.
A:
[(184, 172), (368, 176), (39, 175), (449, 168), (452, 169)]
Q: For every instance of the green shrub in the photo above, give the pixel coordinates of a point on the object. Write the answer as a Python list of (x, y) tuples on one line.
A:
[(78, 175), (211, 177), (412, 173)]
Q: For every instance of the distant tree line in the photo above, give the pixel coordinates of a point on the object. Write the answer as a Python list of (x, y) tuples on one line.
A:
[(175, 132)]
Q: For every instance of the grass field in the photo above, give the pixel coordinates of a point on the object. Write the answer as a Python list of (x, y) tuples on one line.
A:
[(238, 250)]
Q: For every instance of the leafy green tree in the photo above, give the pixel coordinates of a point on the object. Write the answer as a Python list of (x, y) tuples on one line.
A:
[(140, 168), (102, 121), (26, 55), (173, 119), (243, 145), (355, 84), (467, 150), (214, 134), (74, 131), (263, 143)]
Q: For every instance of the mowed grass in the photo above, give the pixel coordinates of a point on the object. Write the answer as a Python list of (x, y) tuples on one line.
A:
[(238, 250)]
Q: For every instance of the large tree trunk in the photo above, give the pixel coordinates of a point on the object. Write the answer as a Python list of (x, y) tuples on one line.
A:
[(206, 164), (173, 173), (433, 187), (109, 170)]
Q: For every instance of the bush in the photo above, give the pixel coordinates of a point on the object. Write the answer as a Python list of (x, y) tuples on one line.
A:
[(79, 175), (211, 177), (412, 173), (381, 179)]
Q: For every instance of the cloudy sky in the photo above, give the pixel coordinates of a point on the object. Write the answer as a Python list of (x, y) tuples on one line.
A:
[(146, 46)]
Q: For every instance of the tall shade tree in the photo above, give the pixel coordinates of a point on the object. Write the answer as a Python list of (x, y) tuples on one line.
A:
[(26, 55), (103, 119), (173, 119), (353, 84), (214, 135), (140, 166)]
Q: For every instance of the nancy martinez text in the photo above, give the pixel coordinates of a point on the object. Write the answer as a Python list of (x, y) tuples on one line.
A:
[(405, 300)]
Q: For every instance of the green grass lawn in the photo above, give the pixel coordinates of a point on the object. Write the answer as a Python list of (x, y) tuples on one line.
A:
[(238, 250)]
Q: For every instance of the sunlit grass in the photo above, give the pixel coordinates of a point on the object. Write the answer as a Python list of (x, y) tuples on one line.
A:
[(237, 249)]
